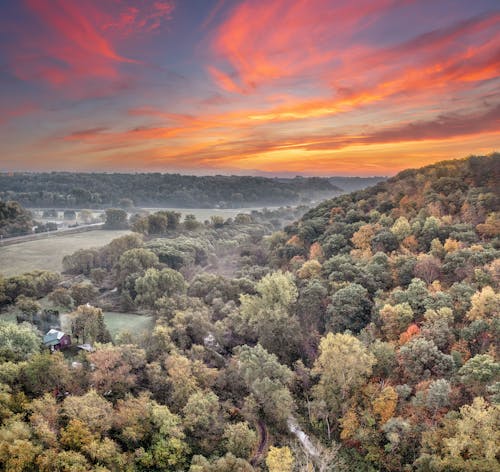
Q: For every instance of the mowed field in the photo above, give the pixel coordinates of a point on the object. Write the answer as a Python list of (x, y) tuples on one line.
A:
[(133, 323), (47, 254), (116, 322)]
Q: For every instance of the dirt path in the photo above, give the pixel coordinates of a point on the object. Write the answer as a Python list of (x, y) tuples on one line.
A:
[(49, 234), (263, 436)]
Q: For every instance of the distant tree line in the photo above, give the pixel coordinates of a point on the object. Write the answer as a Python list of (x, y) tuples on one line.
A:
[(94, 190)]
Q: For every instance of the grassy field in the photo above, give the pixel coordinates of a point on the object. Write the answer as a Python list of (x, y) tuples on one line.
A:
[(117, 322), (133, 323), (47, 254)]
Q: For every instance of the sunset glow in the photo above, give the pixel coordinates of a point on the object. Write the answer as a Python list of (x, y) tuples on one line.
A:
[(314, 87)]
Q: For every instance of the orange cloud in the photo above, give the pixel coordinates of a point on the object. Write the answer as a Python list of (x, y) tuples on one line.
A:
[(265, 41)]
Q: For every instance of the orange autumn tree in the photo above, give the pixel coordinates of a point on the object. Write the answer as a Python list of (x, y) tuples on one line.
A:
[(412, 331), (316, 252)]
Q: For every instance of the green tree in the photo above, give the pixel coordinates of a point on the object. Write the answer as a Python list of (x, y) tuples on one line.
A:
[(84, 293), (155, 284), (421, 359), (268, 317), (181, 380), (228, 463), (311, 305), (350, 309), (116, 219), (135, 261), (401, 228), (173, 219), (479, 371), (157, 223), (61, 297), (202, 418), (190, 222), (267, 381), (17, 342), (45, 372), (81, 261), (62, 461), (438, 395), (111, 253), (87, 325), (28, 308), (240, 439)]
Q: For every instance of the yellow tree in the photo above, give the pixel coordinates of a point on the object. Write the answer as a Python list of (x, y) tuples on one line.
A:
[(279, 459), (470, 442), (485, 305), (343, 365), (384, 405), (395, 319)]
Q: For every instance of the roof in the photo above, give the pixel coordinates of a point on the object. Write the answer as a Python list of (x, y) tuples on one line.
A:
[(86, 347), (53, 337)]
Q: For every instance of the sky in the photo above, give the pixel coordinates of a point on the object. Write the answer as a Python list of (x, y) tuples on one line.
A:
[(261, 87)]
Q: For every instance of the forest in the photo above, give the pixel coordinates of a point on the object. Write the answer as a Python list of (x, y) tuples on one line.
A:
[(361, 335), (97, 190)]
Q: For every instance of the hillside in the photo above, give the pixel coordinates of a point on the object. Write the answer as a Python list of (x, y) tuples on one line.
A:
[(410, 267)]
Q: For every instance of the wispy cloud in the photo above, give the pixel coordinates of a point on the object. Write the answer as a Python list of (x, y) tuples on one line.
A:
[(71, 43), (271, 85)]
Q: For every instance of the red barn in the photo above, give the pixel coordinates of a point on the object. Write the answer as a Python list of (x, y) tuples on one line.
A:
[(56, 340)]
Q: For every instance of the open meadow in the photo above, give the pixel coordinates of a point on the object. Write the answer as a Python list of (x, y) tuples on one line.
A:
[(131, 322), (48, 253)]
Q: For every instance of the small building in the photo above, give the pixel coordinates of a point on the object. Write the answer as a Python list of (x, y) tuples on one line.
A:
[(56, 340), (85, 347)]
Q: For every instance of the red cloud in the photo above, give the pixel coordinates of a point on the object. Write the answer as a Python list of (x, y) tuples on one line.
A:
[(313, 43), (309, 44), (74, 42), (265, 41), (147, 18)]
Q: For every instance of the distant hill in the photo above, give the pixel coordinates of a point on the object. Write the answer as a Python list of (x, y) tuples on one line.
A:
[(465, 190), (94, 190), (351, 184)]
